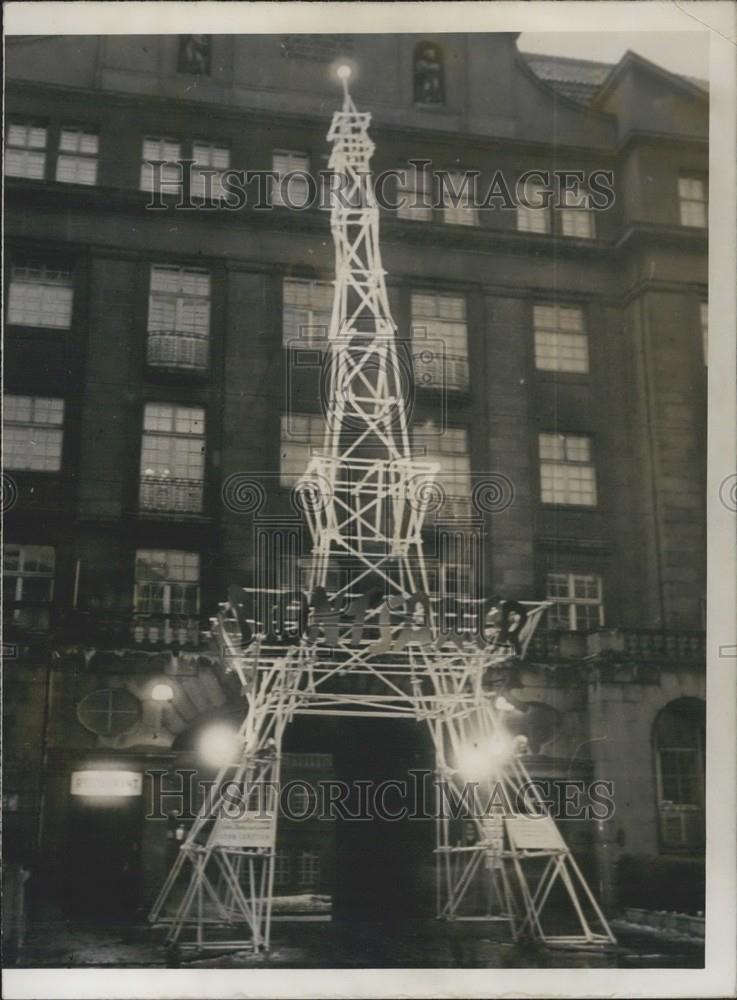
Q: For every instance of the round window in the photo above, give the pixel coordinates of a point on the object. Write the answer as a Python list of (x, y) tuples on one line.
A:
[(109, 711)]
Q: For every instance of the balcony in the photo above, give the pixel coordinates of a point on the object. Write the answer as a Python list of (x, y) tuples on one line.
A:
[(177, 351), (437, 370), (121, 629), (645, 645), (163, 495)]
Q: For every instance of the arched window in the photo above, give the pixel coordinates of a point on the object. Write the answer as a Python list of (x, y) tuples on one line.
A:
[(679, 740), (429, 74)]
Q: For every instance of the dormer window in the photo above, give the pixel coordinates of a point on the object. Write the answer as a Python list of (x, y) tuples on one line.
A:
[(194, 55), (429, 74)]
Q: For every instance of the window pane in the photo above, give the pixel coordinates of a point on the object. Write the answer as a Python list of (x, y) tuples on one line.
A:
[(577, 222), (578, 601), (566, 475), (301, 435), (692, 201), (557, 349), (307, 310), (458, 195), (530, 217), (76, 170), (23, 145), (32, 433), (414, 201), (40, 295)]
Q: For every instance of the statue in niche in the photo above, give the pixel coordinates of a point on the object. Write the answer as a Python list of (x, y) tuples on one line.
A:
[(429, 82), (194, 54)]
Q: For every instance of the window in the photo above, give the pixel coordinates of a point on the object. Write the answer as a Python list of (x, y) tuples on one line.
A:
[(301, 435), (533, 214), (28, 573), (692, 201), (429, 77), (440, 340), (194, 55), (293, 192), (77, 159), (178, 317), (25, 150), (299, 801), (567, 474), (40, 295), (307, 308), (282, 868), (309, 869), (578, 602), (211, 160), (679, 740), (449, 449), (576, 217), (169, 151), (458, 195), (28, 579), (172, 458), (167, 582), (704, 315), (414, 197), (33, 430), (561, 344), (109, 712)]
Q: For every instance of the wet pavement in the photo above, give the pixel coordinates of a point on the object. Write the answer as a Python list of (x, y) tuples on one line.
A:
[(300, 944)]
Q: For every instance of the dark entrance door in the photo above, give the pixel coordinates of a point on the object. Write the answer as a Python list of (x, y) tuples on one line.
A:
[(103, 857), (384, 865)]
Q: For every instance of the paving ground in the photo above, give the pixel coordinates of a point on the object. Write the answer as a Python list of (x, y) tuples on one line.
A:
[(427, 944)]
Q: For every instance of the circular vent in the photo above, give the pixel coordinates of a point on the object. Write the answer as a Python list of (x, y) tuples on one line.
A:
[(109, 712)]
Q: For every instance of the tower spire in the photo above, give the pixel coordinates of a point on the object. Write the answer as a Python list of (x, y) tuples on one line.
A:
[(366, 526)]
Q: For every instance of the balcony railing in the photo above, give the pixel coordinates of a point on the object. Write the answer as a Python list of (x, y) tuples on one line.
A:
[(175, 496), (127, 630), (437, 370), (181, 351), (652, 644), (647, 645)]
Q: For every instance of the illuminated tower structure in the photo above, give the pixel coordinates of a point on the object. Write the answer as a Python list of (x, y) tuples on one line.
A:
[(370, 640)]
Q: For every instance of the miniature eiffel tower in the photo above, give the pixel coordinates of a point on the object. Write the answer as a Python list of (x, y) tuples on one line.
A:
[(370, 642)]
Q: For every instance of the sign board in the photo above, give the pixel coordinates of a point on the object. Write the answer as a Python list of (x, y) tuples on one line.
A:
[(533, 833), (252, 829), (106, 784), (493, 832)]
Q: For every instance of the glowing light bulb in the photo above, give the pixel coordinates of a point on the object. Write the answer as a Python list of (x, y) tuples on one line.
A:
[(486, 758), (162, 692), (344, 72), (218, 745)]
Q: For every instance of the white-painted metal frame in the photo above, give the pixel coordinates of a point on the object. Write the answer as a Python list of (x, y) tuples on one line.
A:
[(369, 500)]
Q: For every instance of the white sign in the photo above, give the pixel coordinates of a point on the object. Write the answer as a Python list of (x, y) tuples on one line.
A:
[(252, 829), (493, 828), (533, 833), (106, 784)]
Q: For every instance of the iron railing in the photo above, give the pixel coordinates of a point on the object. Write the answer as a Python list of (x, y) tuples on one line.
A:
[(643, 644), (178, 496), (172, 349), (437, 370)]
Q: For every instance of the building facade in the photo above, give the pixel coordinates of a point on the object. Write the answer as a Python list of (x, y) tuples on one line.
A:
[(160, 360)]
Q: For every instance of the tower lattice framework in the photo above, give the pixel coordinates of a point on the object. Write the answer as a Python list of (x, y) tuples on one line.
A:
[(371, 643)]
